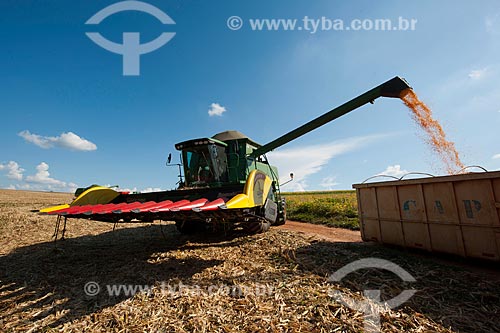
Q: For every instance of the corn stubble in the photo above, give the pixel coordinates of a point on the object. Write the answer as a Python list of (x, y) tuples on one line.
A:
[(42, 286)]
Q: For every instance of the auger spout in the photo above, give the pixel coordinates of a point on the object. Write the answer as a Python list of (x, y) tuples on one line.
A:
[(393, 88)]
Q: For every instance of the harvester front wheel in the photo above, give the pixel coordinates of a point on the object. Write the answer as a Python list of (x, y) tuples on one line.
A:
[(188, 227), (256, 227)]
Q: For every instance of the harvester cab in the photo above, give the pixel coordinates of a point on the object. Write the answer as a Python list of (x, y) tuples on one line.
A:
[(204, 161), (221, 160), (228, 182)]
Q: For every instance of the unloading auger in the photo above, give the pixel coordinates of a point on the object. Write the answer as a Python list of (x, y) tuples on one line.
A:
[(228, 182)]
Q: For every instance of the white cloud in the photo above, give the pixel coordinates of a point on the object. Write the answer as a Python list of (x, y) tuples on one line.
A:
[(14, 171), (308, 160), (492, 24), (42, 176), (477, 74), (134, 189), (151, 189), (329, 182), (70, 187), (394, 170), (496, 156), (42, 180), (68, 140), (216, 110)]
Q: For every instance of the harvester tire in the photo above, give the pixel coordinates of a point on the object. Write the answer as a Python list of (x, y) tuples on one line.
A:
[(281, 219), (188, 227), (282, 213), (256, 227)]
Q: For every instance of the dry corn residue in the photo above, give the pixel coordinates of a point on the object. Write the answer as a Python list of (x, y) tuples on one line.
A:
[(436, 137)]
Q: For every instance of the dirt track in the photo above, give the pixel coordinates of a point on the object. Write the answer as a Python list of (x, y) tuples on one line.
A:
[(323, 232)]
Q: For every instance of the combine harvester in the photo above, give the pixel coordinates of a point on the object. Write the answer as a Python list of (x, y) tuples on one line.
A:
[(228, 182)]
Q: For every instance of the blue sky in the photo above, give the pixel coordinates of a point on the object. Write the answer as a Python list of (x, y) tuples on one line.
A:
[(70, 118)]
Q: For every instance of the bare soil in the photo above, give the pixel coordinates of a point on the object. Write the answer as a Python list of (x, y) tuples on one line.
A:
[(322, 232)]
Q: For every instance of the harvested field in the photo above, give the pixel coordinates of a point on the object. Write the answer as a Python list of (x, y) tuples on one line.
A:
[(272, 282)]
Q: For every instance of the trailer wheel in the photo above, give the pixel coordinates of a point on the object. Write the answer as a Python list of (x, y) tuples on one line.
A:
[(188, 227)]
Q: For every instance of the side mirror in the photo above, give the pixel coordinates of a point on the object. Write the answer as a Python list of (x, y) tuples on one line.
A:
[(291, 179)]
